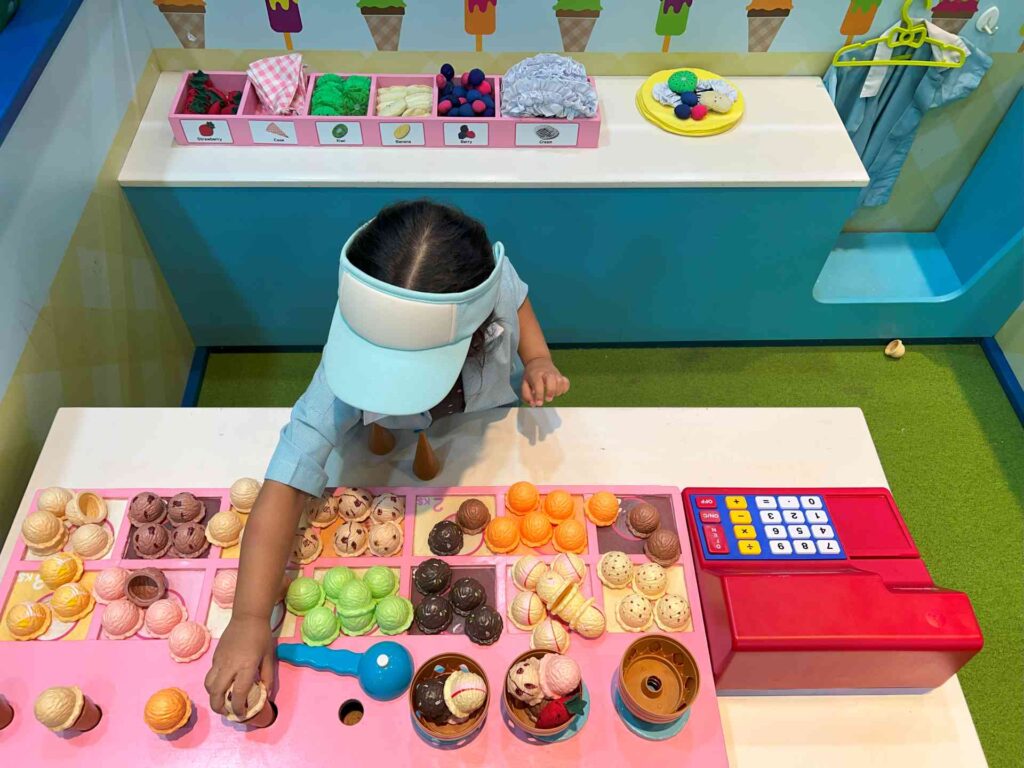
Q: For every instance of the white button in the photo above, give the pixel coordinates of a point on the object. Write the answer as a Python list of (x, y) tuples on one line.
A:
[(823, 532), (815, 516), (775, 532), (765, 502), (780, 547), (799, 532), (793, 516), (771, 516), (789, 502), (811, 502), (803, 547), (827, 547)]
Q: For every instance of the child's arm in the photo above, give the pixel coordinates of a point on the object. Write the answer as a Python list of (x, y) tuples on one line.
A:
[(542, 381)]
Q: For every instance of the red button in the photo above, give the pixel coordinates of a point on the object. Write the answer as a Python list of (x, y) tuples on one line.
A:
[(717, 544), (711, 516), (706, 502)]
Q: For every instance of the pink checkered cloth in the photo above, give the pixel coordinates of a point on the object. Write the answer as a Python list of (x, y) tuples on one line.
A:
[(280, 84)]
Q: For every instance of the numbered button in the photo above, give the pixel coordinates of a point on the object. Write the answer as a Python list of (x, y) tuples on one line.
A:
[(798, 531), (789, 502), (766, 502), (740, 516), (744, 531), (736, 502), (811, 502), (803, 547), (710, 516), (816, 516), (750, 548), (823, 532), (780, 547), (775, 531), (715, 537), (793, 516), (706, 502), (828, 547), (771, 516)]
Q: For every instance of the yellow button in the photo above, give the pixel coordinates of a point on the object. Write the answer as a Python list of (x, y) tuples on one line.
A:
[(735, 502), (745, 531), (740, 516), (750, 548)]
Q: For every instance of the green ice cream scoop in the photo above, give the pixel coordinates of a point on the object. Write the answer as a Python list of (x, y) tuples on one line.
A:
[(381, 581), (358, 622), (394, 614), (304, 594), (335, 579), (354, 599), (320, 626)]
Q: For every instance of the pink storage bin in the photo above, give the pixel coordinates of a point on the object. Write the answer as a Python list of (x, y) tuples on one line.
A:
[(210, 129), (540, 132), (405, 131), (272, 130), (479, 131), (340, 130)]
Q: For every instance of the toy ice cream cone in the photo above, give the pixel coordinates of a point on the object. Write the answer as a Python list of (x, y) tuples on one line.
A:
[(764, 20), (481, 19), (382, 441), (384, 19), (188, 20), (425, 464), (953, 15), (576, 20), (672, 20), (859, 18)]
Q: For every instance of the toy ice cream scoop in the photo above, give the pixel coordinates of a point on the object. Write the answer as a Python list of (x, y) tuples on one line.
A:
[(306, 546), (387, 508), (381, 581), (558, 506), (590, 622), (54, 500), (147, 507), (355, 608), (615, 570), (552, 587), (466, 596), (188, 540), (428, 701), (570, 536), (151, 541), (432, 577), (570, 566), (320, 626), (386, 539), (559, 675), (535, 529), (167, 711), (71, 602), (445, 538), (464, 694), (184, 508), (145, 586), (526, 611), (602, 509), (188, 641), (523, 681), (351, 539), (527, 571), (522, 497), (473, 516), (121, 619), (27, 621), (384, 670), (163, 616), (91, 541), (336, 578), (243, 493), (484, 625), (433, 615), (549, 635), (224, 584), (635, 613), (66, 708), (255, 703), (86, 507), (394, 614), (43, 532), (224, 529), (303, 595), (663, 547), (110, 585), (643, 519), (502, 535), (650, 580), (322, 511), (672, 613), (354, 504), (60, 568)]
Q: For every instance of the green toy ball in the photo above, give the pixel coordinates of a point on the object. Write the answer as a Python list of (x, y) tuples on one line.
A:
[(682, 81), (336, 578), (381, 581), (320, 626), (394, 614), (354, 599), (304, 594)]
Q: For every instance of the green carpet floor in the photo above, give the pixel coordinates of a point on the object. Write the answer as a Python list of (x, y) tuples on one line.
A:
[(951, 446)]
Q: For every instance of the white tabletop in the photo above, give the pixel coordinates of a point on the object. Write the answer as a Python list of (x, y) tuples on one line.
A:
[(128, 448), (790, 136)]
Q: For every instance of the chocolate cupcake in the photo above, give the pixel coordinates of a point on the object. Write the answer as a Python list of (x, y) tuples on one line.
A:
[(185, 508), (466, 596), (473, 516), (445, 538), (432, 577), (643, 519), (428, 699), (145, 586), (433, 615), (147, 507), (151, 541), (662, 547), (189, 540), (484, 625)]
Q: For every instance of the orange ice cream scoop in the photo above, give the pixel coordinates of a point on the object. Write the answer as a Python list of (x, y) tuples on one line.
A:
[(502, 535), (602, 509), (522, 497), (535, 529), (571, 536), (558, 506), (167, 710)]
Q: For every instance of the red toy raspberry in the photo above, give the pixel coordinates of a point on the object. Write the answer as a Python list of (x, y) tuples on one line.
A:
[(560, 711), (485, 88), (699, 112)]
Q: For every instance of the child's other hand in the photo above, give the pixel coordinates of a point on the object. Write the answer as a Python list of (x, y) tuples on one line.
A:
[(245, 654), (542, 382)]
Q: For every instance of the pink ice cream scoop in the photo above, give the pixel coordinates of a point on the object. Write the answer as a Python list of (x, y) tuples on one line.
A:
[(110, 585), (559, 675), (163, 616), (224, 584)]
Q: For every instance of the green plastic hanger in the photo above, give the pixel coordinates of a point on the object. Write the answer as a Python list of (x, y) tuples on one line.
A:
[(913, 34)]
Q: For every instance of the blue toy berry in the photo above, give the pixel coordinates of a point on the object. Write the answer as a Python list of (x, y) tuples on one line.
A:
[(448, 71), (489, 112), (458, 91), (476, 76), (473, 95), (683, 111), (466, 110), (689, 99)]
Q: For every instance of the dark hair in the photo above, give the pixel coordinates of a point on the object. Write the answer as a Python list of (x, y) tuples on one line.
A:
[(424, 246)]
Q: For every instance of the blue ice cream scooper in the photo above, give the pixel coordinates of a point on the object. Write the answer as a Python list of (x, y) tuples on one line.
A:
[(384, 670)]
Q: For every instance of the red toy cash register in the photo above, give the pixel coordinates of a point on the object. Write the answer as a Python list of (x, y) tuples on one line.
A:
[(821, 590)]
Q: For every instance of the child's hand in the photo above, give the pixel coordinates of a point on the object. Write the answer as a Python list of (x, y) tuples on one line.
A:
[(542, 382), (244, 655)]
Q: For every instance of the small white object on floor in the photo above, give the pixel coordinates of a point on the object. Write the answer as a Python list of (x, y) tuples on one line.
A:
[(895, 349)]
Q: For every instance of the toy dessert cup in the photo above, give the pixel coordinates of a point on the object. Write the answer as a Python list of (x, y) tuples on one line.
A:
[(449, 735), (657, 680), (519, 713)]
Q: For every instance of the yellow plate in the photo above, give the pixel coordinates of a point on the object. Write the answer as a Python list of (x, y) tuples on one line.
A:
[(664, 117)]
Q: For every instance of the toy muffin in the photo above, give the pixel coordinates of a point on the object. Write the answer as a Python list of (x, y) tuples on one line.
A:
[(602, 509), (502, 535)]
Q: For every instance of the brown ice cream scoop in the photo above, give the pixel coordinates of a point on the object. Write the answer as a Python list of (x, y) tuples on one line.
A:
[(185, 508), (145, 586), (147, 507), (473, 516), (189, 540), (662, 547), (151, 541), (643, 519)]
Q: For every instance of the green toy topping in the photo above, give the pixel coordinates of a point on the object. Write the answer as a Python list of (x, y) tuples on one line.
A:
[(381, 581), (394, 615), (578, 5), (320, 627), (304, 594)]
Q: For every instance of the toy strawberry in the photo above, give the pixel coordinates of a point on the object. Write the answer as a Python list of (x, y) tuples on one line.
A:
[(560, 711)]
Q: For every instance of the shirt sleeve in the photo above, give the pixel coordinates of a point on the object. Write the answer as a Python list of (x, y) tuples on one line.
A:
[(512, 285), (318, 422)]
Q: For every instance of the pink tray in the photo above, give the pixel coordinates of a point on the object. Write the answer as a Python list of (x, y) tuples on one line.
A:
[(120, 675), (248, 128)]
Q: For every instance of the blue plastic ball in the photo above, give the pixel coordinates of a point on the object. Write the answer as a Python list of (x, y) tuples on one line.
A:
[(459, 91), (683, 112), (489, 112), (448, 71), (488, 101), (689, 99), (466, 110), (476, 76), (447, 90), (473, 95)]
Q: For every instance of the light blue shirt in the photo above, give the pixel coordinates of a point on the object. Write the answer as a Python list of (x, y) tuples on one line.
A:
[(319, 420)]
